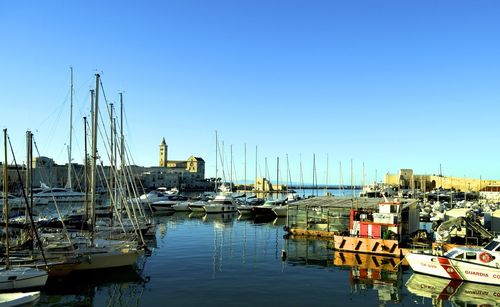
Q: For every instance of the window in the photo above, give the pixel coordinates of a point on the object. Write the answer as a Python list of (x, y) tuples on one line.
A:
[(470, 255), (460, 256)]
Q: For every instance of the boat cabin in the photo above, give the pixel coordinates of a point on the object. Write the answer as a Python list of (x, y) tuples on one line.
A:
[(389, 220)]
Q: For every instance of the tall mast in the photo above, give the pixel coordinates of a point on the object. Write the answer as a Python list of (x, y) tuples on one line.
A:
[(94, 153), (288, 175), (216, 157), (122, 140), (326, 184), (277, 174), (314, 175), (112, 158), (245, 180), (70, 183), (231, 166), (255, 183), (86, 162), (6, 200), (28, 169)]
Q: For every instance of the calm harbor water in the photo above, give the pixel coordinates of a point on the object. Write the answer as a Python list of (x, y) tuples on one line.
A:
[(225, 259)]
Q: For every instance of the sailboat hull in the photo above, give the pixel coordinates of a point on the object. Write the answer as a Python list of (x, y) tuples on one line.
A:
[(21, 278), (110, 259)]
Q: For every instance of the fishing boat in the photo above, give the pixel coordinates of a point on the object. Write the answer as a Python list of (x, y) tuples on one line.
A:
[(467, 263), (19, 298), (381, 231)]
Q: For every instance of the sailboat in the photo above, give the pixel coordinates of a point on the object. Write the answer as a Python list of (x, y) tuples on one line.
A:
[(16, 277), (102, 253)]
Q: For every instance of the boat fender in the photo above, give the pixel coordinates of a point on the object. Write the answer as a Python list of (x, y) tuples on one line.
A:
[(89, 259), (485, 257)]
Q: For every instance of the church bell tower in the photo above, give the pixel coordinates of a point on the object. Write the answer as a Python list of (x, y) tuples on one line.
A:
[(163, 153)]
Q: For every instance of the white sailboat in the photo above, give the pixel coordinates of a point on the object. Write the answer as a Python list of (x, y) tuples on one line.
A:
[(100, 254)]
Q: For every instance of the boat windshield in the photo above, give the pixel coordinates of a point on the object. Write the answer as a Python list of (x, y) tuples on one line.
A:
[(492, 245)]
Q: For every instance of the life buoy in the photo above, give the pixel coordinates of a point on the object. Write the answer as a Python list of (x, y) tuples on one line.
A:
[(485, 257)]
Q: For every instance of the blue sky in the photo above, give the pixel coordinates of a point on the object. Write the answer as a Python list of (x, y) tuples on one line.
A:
[(391, 84)]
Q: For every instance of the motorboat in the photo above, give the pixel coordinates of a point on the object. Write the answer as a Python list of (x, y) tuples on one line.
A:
[(19, 298), (197, 206), (245, 207), (22, 277), (466, 263), (281, 211), (15, 203), (220, 204), (182, 206), (168, 201), (267, 208), (45, 195), (157, 195)]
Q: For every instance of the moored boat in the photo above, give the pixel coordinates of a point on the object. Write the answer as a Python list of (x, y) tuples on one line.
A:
[(465, 263), (220, 204), (20, 278), (19, 298)]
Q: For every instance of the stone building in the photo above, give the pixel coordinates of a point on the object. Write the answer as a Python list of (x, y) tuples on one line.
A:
[(406, 179), (181, 174)]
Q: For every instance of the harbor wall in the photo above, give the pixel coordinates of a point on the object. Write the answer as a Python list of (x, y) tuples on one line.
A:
[(406, 179)]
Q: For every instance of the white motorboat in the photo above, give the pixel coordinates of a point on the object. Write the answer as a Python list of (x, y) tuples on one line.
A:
[(267, 208), (476, 264), (182, 206), (160, 194), (220, 204), (168, 201), (58, 195), (22, 277), (197, 206), (281, 211), (19, 298), (15, 203)]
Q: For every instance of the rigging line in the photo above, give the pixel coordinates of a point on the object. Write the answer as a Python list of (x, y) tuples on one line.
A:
[(65, 230), (30, 213)]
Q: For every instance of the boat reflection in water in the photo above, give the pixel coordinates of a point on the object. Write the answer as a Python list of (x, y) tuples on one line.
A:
[(122, 286), (459, 293), (366, 272)]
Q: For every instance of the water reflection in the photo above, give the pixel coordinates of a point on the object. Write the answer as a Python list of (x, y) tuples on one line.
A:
[(110, 287), (366, 272), (458, 293)]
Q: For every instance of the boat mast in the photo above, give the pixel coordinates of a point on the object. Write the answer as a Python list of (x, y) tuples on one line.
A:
[(28, 168), (245, 180), (85, 163), (277, 175), (70, 183), (255, 183), (231, 168), (112, 158), (326, 184), (122, 143), (94, 155), (6, 201), (216, 157)]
